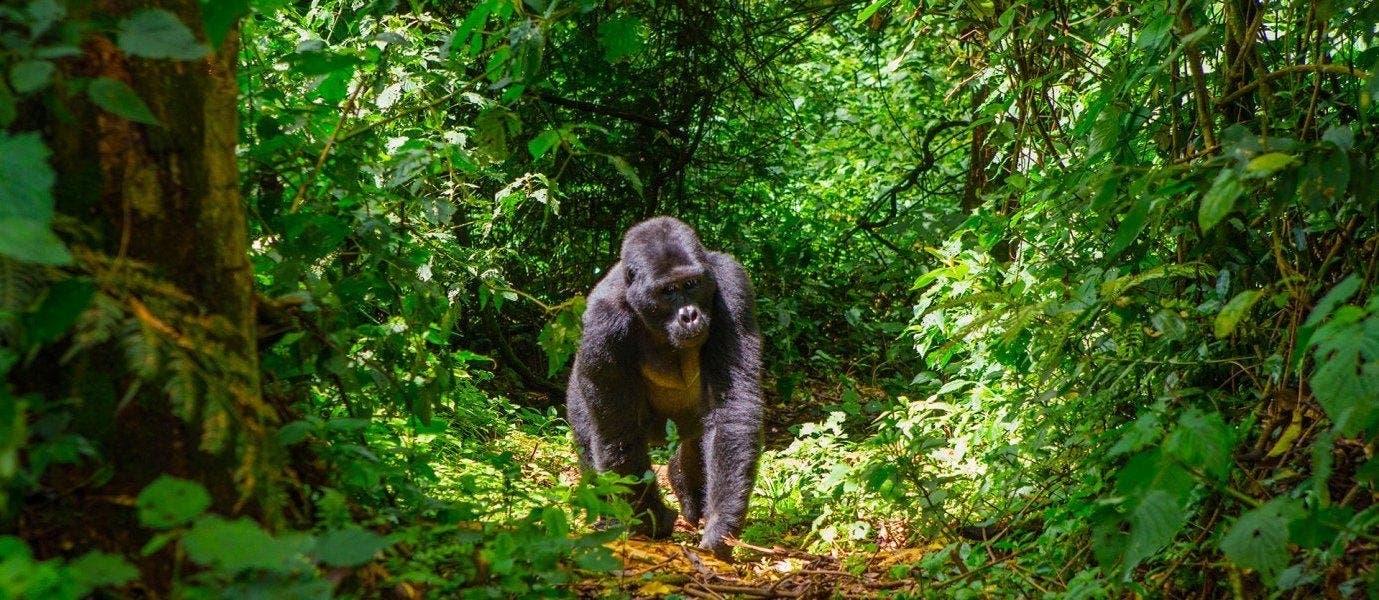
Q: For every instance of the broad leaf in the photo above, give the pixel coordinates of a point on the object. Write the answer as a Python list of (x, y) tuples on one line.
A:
[(1141, 433), (31, 241), (113, 95), (1268, 163), (157, 33), (541, 144), (241, 545), (1340, 136), (1219, 200), (871, 9), (26, 188), (31, 75), (1154, 522), (1233, 311), (627, 172), (1130, 227), (1342, 292), (169, 501), (1259, 538), (26, 202), (1346, 380), (349, 547), (1202, 441), (63, 303), (95, 569)]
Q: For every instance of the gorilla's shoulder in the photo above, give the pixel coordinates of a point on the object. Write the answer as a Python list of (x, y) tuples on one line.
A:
[(730, 272), (606, 306)]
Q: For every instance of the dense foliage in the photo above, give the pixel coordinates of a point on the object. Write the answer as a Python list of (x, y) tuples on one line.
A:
[(1078, 299)]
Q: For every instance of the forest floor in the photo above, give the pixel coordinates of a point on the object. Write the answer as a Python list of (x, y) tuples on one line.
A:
[(654, 569)]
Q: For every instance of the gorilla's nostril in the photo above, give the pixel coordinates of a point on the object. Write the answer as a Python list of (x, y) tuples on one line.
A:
[(689, 314)]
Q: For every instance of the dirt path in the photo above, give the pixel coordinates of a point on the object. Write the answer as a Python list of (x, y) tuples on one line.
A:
[(655, 569)]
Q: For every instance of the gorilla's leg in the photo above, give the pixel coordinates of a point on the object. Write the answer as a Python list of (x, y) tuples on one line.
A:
[(687, 477), (628, 456), (584, 449)]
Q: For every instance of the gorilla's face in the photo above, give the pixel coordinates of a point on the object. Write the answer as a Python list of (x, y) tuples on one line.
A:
[(668, 284)]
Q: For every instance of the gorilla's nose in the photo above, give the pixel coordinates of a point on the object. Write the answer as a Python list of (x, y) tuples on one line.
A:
[(689, 315)]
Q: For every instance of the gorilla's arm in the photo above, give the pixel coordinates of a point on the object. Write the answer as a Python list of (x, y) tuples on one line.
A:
[(732, 444), (610, 427)]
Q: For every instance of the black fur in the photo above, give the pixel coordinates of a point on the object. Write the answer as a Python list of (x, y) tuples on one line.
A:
[(670, 333)]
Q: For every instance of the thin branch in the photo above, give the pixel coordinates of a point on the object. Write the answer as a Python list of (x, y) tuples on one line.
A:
[(616, 113), (1293, 70), (1199, 83)]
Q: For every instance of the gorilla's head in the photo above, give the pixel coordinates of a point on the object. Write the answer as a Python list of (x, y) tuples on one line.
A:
[(668, 283)]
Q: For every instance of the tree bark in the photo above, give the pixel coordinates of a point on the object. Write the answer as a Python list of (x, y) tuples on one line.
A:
[(161, 204)]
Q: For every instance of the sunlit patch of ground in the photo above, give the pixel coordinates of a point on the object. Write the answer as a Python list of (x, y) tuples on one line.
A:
[(656, 569)]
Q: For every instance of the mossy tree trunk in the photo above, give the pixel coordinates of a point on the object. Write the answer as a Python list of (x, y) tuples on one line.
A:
[(162, 233)]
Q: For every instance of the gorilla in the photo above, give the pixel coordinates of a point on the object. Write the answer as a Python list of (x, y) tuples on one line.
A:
[(670, 334)]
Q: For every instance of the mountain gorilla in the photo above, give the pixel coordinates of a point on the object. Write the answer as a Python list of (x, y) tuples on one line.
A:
[(670, 334)]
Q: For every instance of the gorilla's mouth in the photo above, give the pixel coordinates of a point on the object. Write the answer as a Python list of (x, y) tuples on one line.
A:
[(690, 335)]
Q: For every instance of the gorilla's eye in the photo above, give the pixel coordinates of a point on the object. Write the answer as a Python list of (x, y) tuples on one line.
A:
[(691, 284)]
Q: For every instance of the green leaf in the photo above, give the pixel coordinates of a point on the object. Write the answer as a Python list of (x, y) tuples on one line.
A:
[(31, 241), (64, 302), (1340, 136), (541, 144), (31, 75), (1130, 227), (465, 37), (240, 545), (1154, 522), (26, 189), (169, 501), (1319, 528), (157, 33), (1156, 31), (621, 37), (1342, 292), (218, 17), (1259, 538), (871, 9), (157, 542), (627, 172), (1202, 441), (1268, 163), (322, 63), (26, 202), (1233, 311), (1138, 435), (1346, 380), (1219, 200), (113, 95), (1150, 471), (598, 559), (1369, 473), (43, 14), (95, 569), (294, 432), (349, 547), (1324, 178)]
